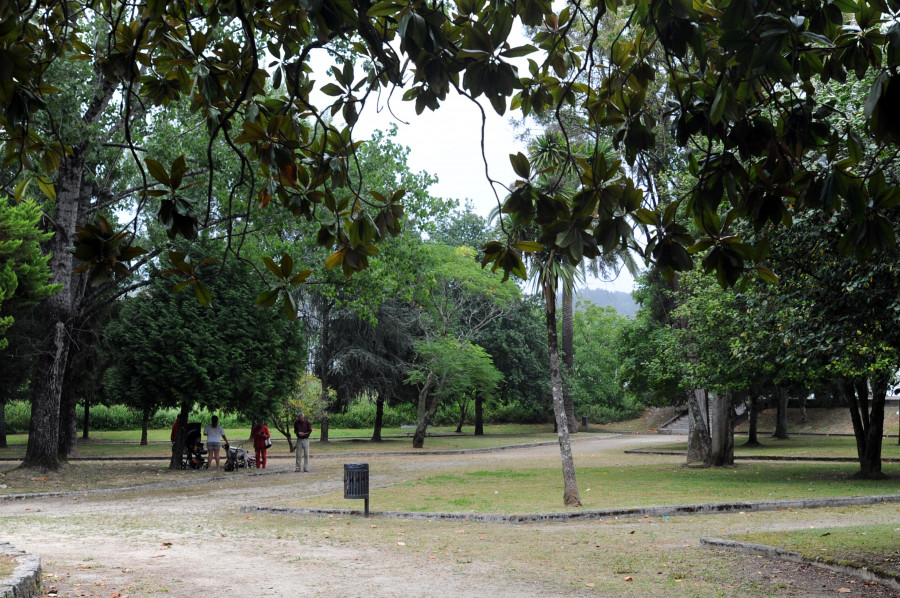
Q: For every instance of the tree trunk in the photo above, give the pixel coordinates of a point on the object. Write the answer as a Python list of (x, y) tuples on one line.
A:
[(43, 434), (323, 427), (568, 355), (178, 445), (781, 426), (427, 409), (802, 398), (571, 497), (711, 430), (699, 440), (3, 422), (379, 419), (86, 423), (868, 426), (145, 423), (753, 420), (68, 423), (479, 415), (463, 404), (721, 426)]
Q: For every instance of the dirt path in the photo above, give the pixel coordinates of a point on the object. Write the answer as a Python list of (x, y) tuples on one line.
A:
[(194, 542)]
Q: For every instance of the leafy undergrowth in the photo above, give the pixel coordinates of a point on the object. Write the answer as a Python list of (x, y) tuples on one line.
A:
[(876, 547), (538, 490)]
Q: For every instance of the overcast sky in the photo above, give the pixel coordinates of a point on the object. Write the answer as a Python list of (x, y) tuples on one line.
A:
[(447, 143)]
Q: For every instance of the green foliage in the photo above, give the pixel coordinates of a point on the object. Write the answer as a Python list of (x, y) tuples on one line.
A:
[(518, 346), (596, 361), (118, 417), (24, 272), (169, 350), (360, 415)]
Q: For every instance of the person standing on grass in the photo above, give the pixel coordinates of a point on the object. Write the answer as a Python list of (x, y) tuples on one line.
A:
[(302, 428), (260, 435), (215, 434)]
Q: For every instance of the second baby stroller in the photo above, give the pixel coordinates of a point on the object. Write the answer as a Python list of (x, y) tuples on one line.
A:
[(193, 449), (235, 457)]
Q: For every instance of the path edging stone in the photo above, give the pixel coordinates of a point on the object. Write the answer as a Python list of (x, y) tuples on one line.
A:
[(773, 552), (635, 512), (25, 581)]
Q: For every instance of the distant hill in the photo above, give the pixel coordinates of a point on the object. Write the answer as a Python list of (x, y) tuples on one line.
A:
[(622, 302)]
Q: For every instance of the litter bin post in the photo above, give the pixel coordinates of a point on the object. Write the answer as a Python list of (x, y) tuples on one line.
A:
[(356, 482), (584, 423)]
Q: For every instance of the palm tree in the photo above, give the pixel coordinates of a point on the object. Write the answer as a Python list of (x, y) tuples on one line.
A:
[(553, 179)]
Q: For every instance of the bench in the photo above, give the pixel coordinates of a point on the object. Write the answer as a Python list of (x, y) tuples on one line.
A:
[(411, 429)]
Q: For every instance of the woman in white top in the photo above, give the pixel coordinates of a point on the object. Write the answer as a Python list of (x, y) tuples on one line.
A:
[(215, 434)]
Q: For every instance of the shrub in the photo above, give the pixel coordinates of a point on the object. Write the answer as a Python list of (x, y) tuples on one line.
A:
[(360, 415), (18, 417), (515, 413)]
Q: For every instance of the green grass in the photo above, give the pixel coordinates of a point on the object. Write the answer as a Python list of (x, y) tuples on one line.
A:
[(874, 546), (126, 443), (798, 446), (538, 490)]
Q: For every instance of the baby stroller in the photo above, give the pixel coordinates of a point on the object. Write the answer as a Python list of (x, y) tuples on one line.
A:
[(193, 449), (235, 457)]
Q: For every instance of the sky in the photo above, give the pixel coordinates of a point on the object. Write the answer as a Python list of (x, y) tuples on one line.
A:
[(447, 143)]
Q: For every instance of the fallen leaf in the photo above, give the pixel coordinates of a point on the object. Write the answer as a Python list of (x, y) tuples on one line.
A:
[(348, 523), (331, 516), (629, 578), (432, 557), (844, 590), (870, 583), (224, 535), (166, 543), (127, 570), (482, 537), (401, 543), (373, 526), (591, 584), (460, 531), (631, 532)]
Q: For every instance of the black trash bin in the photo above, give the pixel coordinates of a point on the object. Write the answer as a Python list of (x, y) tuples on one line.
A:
[(356, 482), (584, 423)]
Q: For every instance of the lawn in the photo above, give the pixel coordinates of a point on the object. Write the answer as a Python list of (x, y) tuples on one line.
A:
[(538, 489)]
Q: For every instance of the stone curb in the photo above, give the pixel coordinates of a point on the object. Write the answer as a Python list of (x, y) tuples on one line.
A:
[(763, 457), (26, 578), (629, 513), (773, 552)]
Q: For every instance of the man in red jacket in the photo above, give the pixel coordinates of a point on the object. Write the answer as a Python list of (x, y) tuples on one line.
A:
[(302, 428)]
